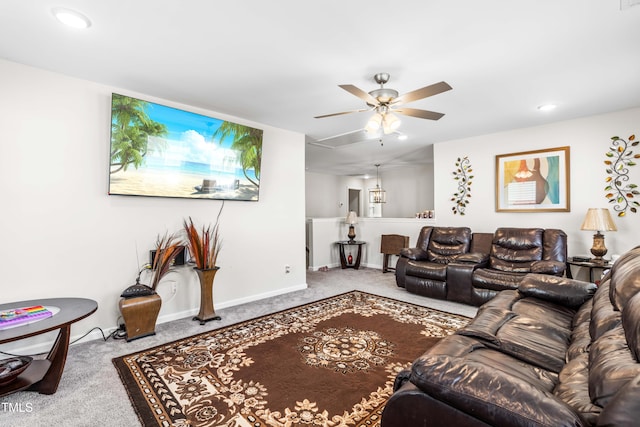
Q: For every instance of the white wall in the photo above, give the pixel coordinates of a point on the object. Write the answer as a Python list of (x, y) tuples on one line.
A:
[(589, 139), (409, 190), (63, 236), (327, 196)]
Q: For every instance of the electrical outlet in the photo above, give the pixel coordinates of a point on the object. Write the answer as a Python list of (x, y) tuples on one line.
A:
[(174, 288), (287, 269)]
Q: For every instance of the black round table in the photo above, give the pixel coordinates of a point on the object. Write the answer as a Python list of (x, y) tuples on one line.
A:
[(44, 375)]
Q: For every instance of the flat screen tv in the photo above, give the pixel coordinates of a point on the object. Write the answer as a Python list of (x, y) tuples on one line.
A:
[(161, 151)]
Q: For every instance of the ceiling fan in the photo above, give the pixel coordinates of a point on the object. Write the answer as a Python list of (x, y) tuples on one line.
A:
[(384, 101)]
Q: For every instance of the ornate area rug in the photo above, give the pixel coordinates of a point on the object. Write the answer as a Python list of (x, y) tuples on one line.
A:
[(328, 363)]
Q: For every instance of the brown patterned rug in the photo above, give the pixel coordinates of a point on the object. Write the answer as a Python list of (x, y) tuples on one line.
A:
[(328, 363)]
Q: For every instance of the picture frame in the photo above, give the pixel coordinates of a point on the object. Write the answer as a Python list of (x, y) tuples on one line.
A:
[(533, 181), (161, 151)]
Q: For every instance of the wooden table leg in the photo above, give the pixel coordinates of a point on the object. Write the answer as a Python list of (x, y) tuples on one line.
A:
[(57, 356), (359, 257), (343, 260)]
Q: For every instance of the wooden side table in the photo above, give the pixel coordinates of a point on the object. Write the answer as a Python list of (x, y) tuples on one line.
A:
[(344, 260), (43, 375)]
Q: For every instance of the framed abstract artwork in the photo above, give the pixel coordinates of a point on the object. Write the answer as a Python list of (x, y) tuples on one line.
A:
[(533, 181), (161, 151)]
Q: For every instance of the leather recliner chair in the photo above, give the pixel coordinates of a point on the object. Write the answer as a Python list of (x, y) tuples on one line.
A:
[(514, 253), (423, 269)]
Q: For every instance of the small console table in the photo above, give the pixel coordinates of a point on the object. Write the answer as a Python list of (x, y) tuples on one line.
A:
[(355, 264), (586, 264), (44, 375)]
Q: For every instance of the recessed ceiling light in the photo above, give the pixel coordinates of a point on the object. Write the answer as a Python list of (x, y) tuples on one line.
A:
[(71, 18), (547, 107), (402, 137)]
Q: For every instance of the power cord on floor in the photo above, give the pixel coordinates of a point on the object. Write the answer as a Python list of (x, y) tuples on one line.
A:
[(117, 334)]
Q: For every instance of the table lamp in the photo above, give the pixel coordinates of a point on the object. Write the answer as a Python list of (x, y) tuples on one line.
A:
[(598, 219), (351, 219)]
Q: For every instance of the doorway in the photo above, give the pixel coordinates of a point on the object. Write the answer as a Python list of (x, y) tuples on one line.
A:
[(354, 200)]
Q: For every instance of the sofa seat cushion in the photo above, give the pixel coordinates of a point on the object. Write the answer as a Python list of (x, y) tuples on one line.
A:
[(529, 329), (496, 280), (495, 387), (474, 351), (573, 388), (427, 270)]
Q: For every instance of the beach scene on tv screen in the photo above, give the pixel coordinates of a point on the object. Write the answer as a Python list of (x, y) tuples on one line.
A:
[(166, 152)]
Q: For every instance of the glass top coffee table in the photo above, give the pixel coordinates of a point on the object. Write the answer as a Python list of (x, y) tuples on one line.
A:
[(44, 375)]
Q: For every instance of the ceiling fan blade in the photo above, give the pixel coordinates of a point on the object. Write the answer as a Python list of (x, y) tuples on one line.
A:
[(360, 94), (341, 113), (425, 92), (421, 114)]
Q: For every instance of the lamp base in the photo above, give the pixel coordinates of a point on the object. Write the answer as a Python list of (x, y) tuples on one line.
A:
[(352, 233), (598, 249)]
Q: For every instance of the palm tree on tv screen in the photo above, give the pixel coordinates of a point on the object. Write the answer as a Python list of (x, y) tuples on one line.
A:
[(246, 140), (130, 129)]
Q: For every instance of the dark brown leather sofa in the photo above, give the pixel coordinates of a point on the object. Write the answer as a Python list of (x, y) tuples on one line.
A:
[(453, 263), (556, 352)]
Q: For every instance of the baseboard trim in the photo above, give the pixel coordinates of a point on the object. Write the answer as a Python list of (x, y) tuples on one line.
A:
[(192, 312), (44, 347)]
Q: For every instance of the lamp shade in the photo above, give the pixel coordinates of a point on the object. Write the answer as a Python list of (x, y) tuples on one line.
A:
[(390, 123), (598, 219), (374, 123), (351, 218)]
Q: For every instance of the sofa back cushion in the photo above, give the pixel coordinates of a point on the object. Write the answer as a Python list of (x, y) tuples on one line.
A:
[(554, 245), (423, 238), (625, 280), (631, 324), (446, 243), (515, 249), (615, 349), (611, 365)]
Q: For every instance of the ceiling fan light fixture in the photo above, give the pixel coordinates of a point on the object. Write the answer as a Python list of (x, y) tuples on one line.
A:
[(390, 123), (374, 123)]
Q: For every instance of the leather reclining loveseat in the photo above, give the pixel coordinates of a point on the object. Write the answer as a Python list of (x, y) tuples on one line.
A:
[(556, 352), (455, 264)]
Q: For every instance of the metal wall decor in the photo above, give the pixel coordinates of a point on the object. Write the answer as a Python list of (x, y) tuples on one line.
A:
[(461, 175), (619, 191)]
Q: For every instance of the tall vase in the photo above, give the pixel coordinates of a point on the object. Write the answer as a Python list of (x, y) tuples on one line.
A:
[(207, 311)]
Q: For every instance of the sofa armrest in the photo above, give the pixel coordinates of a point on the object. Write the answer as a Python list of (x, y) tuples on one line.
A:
[(473, 258), (401, 378), (415, 254), (556, 268), (489, 394), (560, 290)]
